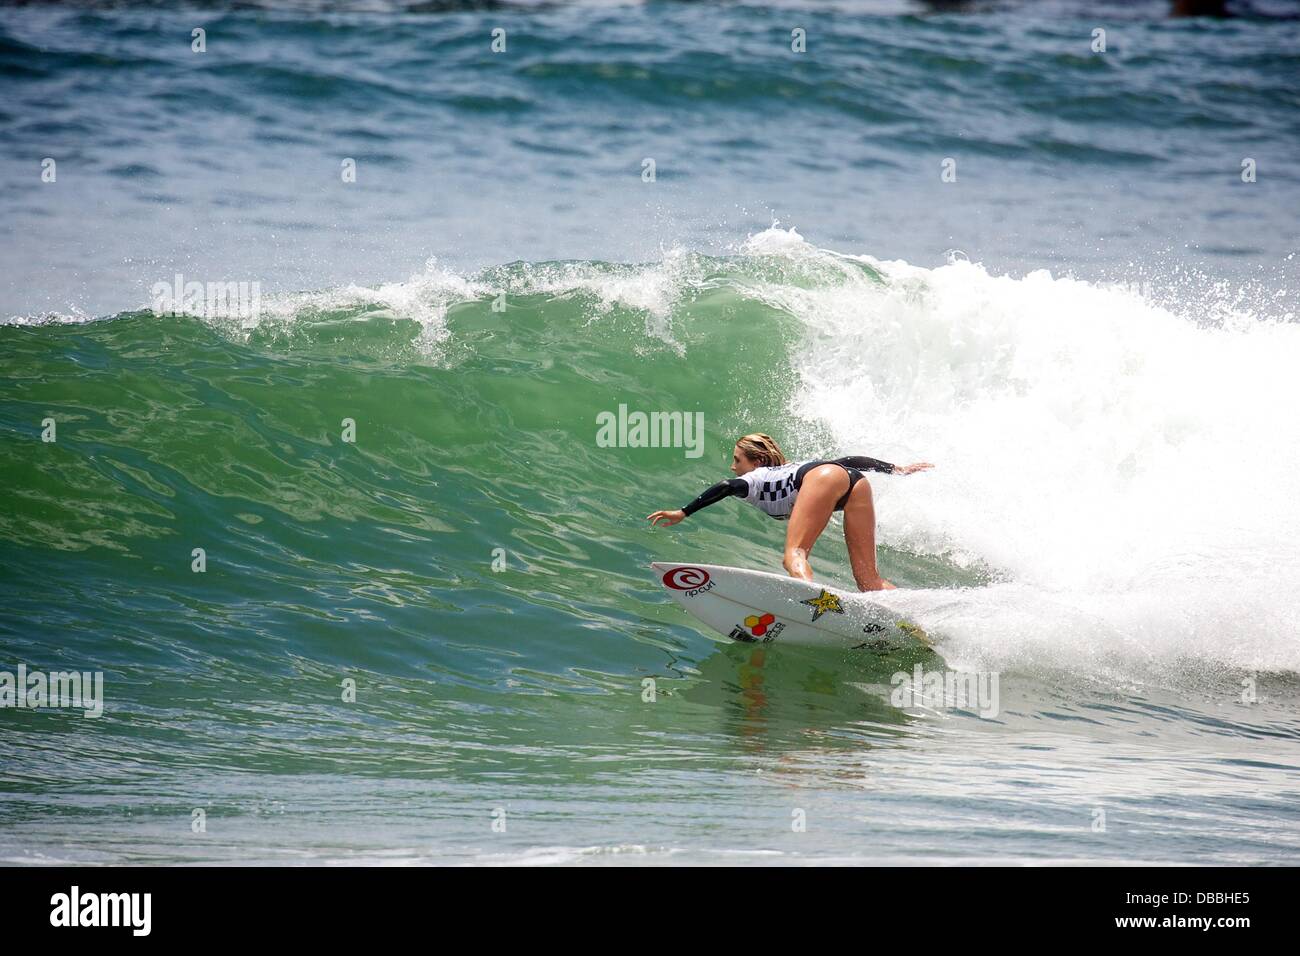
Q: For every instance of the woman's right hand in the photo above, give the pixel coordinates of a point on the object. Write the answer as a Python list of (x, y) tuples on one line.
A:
[(666, 517)]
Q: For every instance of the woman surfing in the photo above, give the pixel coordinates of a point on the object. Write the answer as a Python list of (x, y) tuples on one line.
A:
[(805, 494)]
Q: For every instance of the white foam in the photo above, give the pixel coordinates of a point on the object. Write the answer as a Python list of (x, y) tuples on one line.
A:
[(1129, 472), (72, 317), (652, 289), (424, 298)]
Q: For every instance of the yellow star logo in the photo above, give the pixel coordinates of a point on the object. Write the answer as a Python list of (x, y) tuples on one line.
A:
[(824, 603)]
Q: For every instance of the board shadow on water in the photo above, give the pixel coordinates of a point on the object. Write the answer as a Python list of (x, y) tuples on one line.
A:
[(774, 698)]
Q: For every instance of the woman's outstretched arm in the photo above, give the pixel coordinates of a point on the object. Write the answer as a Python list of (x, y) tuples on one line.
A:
[(723, 489), (863, 463)]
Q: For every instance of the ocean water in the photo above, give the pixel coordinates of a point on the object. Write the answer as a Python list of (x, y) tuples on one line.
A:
[(1092, 333)]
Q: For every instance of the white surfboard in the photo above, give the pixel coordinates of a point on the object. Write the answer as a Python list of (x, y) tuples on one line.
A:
[(757, 606)]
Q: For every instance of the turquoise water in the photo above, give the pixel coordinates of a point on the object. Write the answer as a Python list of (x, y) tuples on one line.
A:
[(1103, 376)]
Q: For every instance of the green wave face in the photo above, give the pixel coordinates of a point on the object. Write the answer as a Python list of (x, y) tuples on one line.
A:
[(474, 413)]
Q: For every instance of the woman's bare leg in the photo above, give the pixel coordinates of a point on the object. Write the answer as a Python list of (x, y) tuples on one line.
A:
[(860, 537), (821, 488)]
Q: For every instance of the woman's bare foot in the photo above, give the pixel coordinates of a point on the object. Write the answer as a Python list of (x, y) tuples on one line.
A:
[(796, 564), (879, 584)]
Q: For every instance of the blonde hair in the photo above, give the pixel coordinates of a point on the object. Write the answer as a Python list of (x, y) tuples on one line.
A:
[(761, 448)]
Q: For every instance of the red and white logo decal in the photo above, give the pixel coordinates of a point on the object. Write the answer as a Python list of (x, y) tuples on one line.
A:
[(686, 578)]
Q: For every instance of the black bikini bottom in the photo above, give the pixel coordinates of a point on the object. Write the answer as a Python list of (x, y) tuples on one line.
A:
[(854, 476)]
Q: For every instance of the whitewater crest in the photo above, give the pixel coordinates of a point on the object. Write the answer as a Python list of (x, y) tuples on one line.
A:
[(1122, 469)]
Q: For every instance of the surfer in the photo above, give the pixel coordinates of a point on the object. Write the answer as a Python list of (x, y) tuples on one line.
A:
[(805, 494)]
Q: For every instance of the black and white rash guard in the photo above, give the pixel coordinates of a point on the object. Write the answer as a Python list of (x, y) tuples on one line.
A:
[(773, 489)]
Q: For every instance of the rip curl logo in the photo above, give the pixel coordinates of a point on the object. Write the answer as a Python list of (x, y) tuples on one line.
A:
[(757, 626), (687, 579), (824, 603)]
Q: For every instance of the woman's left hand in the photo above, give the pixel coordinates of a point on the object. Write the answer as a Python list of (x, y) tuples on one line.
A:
[(666, 517), (908, 469)]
